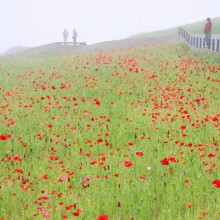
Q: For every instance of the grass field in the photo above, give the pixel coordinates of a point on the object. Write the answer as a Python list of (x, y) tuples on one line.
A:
[(126, 134)]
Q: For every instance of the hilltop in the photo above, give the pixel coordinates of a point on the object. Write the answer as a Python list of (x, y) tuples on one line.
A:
[(58, 49), (167, 36), (192, 28)]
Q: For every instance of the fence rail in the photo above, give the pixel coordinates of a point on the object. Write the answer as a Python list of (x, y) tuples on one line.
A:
[(198, 40)]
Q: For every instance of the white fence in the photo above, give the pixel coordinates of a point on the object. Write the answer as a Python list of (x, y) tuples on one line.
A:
[(198, 40)]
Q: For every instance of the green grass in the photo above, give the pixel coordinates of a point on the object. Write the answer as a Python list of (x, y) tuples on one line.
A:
[(73, 117)]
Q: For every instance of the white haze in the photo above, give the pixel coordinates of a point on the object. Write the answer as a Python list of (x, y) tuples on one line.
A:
[(36, 22)]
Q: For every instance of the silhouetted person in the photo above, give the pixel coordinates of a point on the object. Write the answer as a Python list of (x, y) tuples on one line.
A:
[(74, 36), (65, 36), (208, 32)]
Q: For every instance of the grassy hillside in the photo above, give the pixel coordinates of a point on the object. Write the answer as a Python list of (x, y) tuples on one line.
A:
[(193, 28)]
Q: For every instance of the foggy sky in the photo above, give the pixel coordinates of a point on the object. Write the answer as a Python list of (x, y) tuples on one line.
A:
[(36, 22)]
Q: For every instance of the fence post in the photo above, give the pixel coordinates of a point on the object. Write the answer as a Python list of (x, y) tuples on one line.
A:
[(197, 42), (188, 40), (217, 47), (204, 42), (194, 41), (213, 44), (200, 42), (184, 33), (191, 40)]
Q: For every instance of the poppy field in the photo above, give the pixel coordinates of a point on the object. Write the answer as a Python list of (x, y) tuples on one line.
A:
[(124, 134)]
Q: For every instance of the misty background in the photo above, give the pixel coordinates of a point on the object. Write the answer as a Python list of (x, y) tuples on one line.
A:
[(31, 23)]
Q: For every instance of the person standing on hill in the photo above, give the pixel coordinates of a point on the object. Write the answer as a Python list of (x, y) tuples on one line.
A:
[(65, 36), (208, 32), (74, 36)]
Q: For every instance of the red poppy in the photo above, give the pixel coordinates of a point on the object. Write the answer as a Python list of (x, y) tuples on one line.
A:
[(100, 140), (19, 170), (189, 205), (216, 183), (45, 176), (102, 217), (4, 137), (77, 213), (128, 163), (165, 161), (97, 102), (139, 153), (143, 177), (183, 127), (16, 158), (212, 155), (130, 143), (172, 159), (205, 213)]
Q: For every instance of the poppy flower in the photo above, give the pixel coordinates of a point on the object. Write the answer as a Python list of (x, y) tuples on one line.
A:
[(183, 127), (128, 163), (212, 154), (130, 143), (139, 153), (165, 161), (97, 102), (189, 205), (4, 137), (77, 213), (19, 171), (102, 217), (100, 140), (142, 177), (216, 183), (16, 158), (172, 159), (205, 213)]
